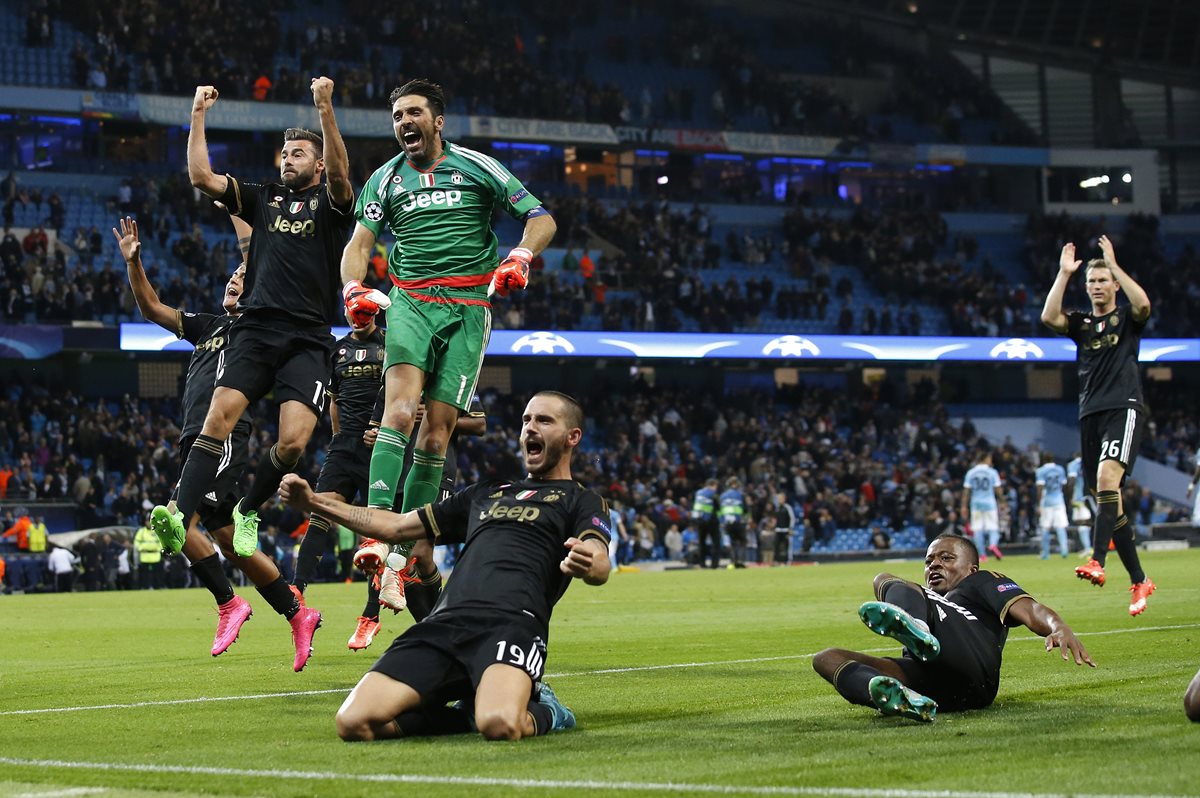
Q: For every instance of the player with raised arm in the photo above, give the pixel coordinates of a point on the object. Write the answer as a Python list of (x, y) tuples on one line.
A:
[(281, 343), (1112, 411), (953, 630), (1052, 504), (437, 199), (209, 334), (485, 642), (982, 495)]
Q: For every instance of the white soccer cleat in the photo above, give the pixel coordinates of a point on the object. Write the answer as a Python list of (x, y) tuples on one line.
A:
[(391, 590), (371, 556)]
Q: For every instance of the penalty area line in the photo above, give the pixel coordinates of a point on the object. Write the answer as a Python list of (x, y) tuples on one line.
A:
[(548, 784)]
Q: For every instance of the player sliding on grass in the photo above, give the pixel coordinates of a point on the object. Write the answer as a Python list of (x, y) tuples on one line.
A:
[(953, 632), (1112, 412), (210, 335), (437, 198), (484, 645)]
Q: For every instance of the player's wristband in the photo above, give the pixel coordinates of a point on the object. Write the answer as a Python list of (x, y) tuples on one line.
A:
[(522, 253)]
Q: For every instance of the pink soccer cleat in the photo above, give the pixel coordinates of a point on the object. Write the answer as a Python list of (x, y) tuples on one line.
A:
[(304, 625), (230, 617)]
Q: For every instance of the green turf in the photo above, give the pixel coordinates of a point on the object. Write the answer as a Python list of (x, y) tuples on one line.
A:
[(701, 679)]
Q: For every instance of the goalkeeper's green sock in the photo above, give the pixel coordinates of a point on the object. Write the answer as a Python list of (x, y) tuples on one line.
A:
[(422, 486), (387, 464)]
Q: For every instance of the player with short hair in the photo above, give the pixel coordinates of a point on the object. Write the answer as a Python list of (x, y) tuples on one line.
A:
[(1081, 509), (485, 642), (281, 344), (209, 334), (437, 199), (1112, 410), (982, 494), (953, 630), (1052, 506)]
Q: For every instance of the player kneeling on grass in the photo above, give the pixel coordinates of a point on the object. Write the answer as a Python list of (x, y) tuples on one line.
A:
[(484, 645), (953, 631)]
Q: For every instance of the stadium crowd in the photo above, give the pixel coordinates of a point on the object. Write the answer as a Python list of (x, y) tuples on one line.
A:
[(638, 265), (547, 62), (889, 461)]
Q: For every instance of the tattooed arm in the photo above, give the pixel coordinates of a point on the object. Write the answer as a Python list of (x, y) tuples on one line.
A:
[(382, 525)]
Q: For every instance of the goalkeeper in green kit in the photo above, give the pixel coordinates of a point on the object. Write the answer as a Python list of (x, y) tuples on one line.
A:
[(437, 199)]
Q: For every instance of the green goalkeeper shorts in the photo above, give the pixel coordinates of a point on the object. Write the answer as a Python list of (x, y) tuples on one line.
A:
[(445, 339)]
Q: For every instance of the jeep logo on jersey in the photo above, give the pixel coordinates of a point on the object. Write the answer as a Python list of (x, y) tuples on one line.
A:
[(373, 211), (425, 180), (515, 512), (296, 206), (447, 198), (281, 225)]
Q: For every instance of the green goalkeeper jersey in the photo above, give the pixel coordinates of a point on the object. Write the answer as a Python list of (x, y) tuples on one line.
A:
[(441, 217)]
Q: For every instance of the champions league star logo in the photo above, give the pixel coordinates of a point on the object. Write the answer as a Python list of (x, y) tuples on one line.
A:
[(791, 346), (1017, 349), (373, 211), (543, 343)]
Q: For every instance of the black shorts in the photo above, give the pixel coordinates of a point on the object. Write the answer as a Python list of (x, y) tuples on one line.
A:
[(269, 351), (216, 506), (1110, 435), (966, 674), (444, 656), (346, 467)]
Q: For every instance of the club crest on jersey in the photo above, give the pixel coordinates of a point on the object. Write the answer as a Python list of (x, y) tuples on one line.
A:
[(1114, 320), (426, 179), (296, 206), (312, 204), (552, 496), (456, 177), (526, 494)]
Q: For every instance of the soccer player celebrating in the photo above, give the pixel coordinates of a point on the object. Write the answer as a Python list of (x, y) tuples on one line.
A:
[(209, 334), (485, 642), (437, 198), (1112, 412), (953, 630), (281, 343)]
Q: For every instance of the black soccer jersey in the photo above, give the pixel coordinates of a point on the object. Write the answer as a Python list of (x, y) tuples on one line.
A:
[(514, 534), (296, 251), (357, 375), (983, 600), (1107, 356), (209, 334)]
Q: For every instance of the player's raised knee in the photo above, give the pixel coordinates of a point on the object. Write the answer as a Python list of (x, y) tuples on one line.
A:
[(353, 726), (498, 726), (881, 579)]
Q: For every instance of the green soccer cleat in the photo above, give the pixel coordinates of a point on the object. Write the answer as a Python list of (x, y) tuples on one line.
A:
[(167, 523), (562, 718), (245, 532), (892, 698), (889, 620)]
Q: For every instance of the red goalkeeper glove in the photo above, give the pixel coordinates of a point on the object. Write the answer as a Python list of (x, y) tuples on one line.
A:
[(362, 301), (513, 271)]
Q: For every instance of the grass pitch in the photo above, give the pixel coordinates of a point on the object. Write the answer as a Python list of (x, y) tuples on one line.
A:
[(684, 682)]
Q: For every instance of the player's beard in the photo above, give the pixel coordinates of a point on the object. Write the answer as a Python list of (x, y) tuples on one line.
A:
[(297, 181)]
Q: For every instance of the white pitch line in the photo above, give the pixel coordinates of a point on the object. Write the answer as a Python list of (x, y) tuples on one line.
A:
[(563, 675), (548, 784), (68, 793)]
